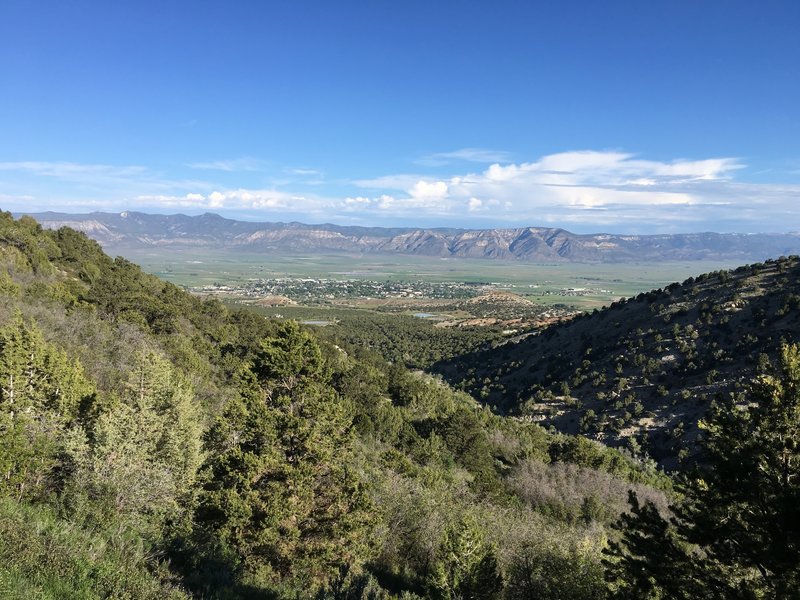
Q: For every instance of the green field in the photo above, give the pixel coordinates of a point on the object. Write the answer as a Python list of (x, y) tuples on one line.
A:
[(602, 283)]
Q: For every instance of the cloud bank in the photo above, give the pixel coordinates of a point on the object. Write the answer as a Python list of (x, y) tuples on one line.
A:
[(583, 191), (592, 190)]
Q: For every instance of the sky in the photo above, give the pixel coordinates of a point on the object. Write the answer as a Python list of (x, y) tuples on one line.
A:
[(617, 116)]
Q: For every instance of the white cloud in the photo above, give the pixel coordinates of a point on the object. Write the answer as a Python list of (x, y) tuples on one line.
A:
[(94, 179), (589, 190), (239, 199), (74, 171), (215, 199), (358, 203), (304, 172), (9, 199), (409, 206), (428, 190), (476, 155), (610, 168), (605, 188), (388, 182), (244, 164)]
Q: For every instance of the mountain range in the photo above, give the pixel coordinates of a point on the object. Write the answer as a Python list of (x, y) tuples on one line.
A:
[(535, 244)]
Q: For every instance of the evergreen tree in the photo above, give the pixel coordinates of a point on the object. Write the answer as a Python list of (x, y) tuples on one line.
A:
[(745, 507), (467, 566), (279, 487), (737, 531), (139, 460), (40, 393), (653, 562)]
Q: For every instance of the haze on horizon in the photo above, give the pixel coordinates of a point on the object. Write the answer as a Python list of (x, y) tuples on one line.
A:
[(630, 118)]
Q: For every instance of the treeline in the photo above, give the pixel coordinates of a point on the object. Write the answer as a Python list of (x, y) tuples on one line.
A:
[(400, 338)]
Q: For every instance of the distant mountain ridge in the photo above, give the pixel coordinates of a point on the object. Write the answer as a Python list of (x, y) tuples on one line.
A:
[(542, 244)]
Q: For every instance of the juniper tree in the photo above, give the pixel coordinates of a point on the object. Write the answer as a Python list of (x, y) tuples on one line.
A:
[(736, 533), (279, 488), (40, 393), (136, 463)]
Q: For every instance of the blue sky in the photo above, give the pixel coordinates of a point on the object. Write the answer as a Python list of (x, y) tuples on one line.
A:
[(624, 116)]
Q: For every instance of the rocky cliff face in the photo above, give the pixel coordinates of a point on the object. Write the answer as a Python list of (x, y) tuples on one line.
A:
[(528, 243)]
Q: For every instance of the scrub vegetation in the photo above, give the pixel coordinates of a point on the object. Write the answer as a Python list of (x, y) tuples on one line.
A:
[(154, 443)]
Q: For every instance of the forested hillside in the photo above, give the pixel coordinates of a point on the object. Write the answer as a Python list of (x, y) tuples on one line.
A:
[(643, 372), (156, 444)]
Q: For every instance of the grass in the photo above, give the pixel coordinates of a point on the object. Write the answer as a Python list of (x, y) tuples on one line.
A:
[(45, 557)]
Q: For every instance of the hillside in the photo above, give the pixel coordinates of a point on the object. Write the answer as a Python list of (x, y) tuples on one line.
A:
[(155, 444), (642, 372), (160, 445), (539, 244)]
